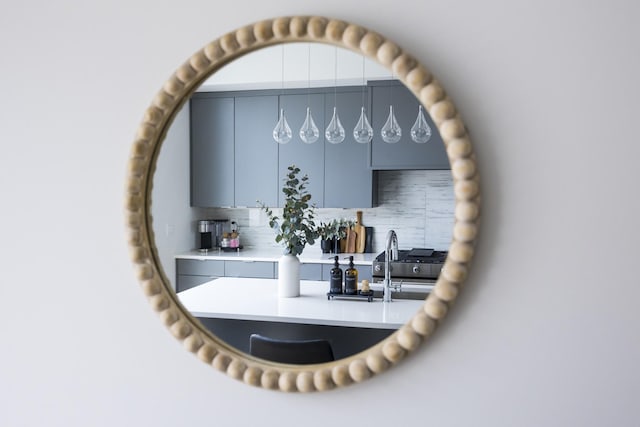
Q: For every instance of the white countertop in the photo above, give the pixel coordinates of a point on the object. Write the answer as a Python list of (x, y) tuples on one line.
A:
[(257, 299), (309, 255)]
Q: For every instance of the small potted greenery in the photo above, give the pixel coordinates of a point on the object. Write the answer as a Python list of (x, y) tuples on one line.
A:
[(332, 233), (295, 229), (327, 233)]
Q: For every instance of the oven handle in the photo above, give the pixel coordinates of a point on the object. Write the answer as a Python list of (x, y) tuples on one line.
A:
[(408, 285)]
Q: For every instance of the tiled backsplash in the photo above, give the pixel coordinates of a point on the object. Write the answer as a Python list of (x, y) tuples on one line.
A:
[(418, 205)]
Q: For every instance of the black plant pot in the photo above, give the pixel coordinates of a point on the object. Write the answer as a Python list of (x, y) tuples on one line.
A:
[(326, 245)]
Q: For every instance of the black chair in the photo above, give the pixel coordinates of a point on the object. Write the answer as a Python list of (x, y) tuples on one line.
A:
[(291, 351)]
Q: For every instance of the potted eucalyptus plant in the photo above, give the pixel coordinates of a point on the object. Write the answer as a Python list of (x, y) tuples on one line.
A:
[(295, 228)]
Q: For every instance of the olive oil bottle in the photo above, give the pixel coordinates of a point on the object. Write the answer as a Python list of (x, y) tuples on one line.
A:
[(351, 279), (335, 278)]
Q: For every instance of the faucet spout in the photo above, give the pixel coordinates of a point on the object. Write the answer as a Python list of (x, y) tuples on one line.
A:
[(390, 254)]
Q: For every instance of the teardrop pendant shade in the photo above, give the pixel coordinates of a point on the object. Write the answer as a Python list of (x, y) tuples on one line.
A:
[(391, 132), (309, 132), (420, 131), (335, 131), (363, 132), (282, 132)]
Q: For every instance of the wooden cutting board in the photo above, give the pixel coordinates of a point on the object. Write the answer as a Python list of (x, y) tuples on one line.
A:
[(360, 233), (351, 241)]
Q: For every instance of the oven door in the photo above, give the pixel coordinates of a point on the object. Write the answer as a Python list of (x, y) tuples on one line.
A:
[(417, 289)]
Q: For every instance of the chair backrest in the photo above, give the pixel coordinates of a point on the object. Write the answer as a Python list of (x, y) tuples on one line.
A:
[(291, 351)]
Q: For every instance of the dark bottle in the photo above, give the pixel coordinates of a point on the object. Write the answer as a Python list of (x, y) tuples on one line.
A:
[(351, 279), (335, 280)]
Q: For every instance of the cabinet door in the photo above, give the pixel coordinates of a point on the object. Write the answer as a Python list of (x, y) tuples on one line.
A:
[(194, 272), (311, 271), (185, 282), (348, 179), (212, 140), (404, 154), (308, 157), (256, 153), (259, 269)]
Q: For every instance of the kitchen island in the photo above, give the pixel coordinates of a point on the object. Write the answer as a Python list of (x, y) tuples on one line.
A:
[(194, 267), (234, 308)]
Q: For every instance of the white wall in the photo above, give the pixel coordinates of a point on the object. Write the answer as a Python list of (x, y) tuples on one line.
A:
[(545, 332)]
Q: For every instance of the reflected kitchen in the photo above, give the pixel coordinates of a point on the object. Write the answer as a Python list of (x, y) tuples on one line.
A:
[(220, 157)]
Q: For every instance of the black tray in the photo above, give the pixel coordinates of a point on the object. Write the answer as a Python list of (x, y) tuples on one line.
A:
[(365, 296)]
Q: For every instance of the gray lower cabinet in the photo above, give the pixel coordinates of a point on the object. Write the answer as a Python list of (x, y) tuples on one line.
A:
[(256, 269), (310, 271), (212, 148), (404, 154), (194, 272)]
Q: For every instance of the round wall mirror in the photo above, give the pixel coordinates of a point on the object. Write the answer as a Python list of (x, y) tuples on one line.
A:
[(210, 68)]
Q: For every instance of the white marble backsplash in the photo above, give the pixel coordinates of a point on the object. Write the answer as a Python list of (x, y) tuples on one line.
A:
[(417, 204)]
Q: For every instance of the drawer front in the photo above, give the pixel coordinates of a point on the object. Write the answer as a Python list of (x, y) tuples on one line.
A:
[(196, 267), (257, 269), (326, 271), (365, 272), (187, 282), (310, 271)]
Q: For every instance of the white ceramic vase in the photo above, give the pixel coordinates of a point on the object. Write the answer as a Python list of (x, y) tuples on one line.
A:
[(288, 276)]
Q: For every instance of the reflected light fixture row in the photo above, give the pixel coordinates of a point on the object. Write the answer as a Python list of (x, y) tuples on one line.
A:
[(391, 132)]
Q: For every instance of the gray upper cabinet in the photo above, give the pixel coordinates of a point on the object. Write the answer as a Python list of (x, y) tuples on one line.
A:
[(404, 154), (348, 180), (308, 157), (212, 147), (236, 162), (256, 153)]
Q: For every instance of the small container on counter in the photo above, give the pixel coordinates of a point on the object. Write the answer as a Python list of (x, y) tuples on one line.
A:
[(234, 240), (225, 242)]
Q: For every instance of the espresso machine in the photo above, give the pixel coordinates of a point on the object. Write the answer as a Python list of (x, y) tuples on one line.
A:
[(210, 231)]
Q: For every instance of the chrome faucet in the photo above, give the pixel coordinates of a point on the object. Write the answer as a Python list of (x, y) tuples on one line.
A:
[(390, 254)]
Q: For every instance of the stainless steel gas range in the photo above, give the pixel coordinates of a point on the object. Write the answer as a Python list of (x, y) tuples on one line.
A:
[(418, 268)]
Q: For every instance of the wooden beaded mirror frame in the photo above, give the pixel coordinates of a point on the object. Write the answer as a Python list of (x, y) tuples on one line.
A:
[(148, 141)]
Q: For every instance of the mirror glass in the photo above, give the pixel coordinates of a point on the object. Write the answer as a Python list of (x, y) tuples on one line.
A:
[(416, 201)]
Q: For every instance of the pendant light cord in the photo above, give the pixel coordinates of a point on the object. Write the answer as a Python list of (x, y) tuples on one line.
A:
[(363, 80), (335, 77), (308, 74)]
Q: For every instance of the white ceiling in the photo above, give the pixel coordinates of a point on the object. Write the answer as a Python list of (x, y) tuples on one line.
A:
[(263, 69)]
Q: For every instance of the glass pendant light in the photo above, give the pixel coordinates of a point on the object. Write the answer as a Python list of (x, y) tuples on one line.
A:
[(391, 132), (309, 132), (420, 131), (282, 132), (335, 132), (363, 132)]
